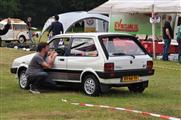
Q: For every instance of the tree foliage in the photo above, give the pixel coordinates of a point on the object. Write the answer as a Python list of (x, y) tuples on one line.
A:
[(41, 10), (9, 8)]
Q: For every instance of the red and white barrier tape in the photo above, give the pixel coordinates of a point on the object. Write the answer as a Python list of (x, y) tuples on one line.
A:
[(124, 109)]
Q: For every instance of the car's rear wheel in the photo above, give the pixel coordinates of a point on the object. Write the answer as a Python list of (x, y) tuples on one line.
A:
[(23, 82), (91, 85), (138, 87), (21, 39)]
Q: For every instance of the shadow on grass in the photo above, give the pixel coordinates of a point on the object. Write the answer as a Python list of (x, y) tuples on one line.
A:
[(119, 92), (114, 92)]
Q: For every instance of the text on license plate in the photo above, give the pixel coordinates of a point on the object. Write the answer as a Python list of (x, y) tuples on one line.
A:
[(130, 78)]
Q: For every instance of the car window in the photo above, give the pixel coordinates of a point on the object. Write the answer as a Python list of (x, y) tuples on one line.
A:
[(83, 47), (60, 45), (19, 27), (118, 46)]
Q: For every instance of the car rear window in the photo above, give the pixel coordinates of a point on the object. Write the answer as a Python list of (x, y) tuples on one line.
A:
[(119, 46)]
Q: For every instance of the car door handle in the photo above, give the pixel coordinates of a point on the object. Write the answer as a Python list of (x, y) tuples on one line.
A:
[(61, 59)]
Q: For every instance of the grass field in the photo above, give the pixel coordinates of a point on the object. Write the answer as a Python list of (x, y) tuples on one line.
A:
[(163, 96)]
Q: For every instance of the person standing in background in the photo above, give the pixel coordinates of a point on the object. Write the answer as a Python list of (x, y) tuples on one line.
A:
[(56, 28), (29, 25), (167, 36), (5, 29), (179, 43)]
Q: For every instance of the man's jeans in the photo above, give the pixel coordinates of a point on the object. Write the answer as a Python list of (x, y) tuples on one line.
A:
[(166, 49), (30, 36), (37, 79)]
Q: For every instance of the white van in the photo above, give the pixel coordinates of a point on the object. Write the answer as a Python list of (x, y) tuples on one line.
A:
[(18, 31)]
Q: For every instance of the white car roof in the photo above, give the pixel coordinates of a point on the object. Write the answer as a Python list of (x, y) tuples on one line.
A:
[(90, 34)]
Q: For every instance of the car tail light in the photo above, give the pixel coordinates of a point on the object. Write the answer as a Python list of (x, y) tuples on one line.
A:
[(108, 67), (149, 65)]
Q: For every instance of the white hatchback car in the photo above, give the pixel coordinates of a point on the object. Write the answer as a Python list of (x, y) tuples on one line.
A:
[(97, 61)]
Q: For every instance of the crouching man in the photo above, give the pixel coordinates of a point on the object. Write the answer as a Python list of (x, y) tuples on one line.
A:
[(36, 69)]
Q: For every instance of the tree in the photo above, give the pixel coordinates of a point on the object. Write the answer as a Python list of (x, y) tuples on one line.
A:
[(41, 10), (9, 8)]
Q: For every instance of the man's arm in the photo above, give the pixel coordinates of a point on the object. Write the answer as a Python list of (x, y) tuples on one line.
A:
[(168, 33), (62, 29), (47, 65), (50, 62), (6, 28)]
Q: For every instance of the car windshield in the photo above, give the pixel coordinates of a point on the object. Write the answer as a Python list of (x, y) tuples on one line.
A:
[(120, 46)]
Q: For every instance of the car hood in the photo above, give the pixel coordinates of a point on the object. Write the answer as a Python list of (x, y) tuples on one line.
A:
[(24, 59)]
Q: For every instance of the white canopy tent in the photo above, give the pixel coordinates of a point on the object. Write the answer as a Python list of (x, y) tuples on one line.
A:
[(140, 6)]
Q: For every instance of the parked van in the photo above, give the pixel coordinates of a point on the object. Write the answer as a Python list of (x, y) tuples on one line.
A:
[(18, 31)]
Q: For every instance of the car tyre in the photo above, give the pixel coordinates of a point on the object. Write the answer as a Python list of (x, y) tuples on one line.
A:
[(91, 85), (137, 88), (23, 81), (21, 39)]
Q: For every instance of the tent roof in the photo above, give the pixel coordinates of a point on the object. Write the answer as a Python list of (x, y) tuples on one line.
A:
[(139, 6), (68, 19)]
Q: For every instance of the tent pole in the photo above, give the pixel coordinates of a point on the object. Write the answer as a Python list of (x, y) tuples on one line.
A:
[(153, 32), (110, 16)]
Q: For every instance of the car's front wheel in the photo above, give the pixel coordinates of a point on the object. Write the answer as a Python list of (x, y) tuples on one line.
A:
[(23, 82), (138, 87), (91, 85)]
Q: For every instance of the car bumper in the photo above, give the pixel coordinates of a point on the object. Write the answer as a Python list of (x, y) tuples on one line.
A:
[(119, 82), (116, 78), (121, 73), (13, 70)]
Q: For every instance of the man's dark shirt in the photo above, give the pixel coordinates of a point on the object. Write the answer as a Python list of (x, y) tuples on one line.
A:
[(167, 26), (29, 25), (5, 30), (35, 65), (56, 28)]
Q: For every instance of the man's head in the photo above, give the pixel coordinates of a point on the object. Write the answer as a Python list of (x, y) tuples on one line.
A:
[(43, 47), (29, 19), (56, 17), (169, 18)]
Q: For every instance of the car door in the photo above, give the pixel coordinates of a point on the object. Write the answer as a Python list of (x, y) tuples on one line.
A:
[(83, 55), (58, 72), (16, 31)]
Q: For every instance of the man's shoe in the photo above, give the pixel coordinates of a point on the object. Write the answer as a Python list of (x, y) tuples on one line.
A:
[(34, 91)]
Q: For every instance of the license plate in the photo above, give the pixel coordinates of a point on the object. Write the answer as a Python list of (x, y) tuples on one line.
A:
[(130, 78)]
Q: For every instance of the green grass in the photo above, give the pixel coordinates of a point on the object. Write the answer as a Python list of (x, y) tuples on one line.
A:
[(163, 96)]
